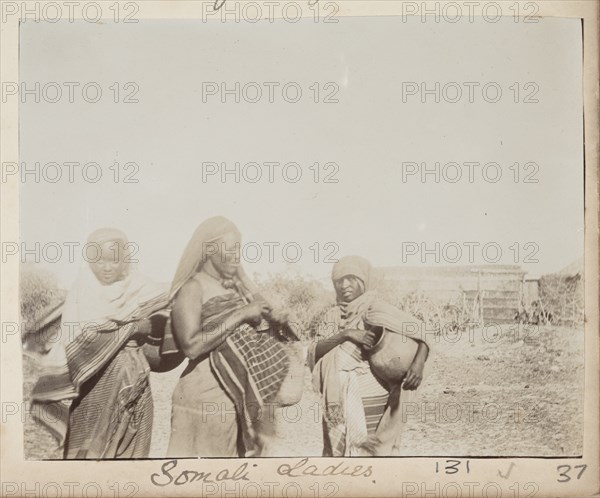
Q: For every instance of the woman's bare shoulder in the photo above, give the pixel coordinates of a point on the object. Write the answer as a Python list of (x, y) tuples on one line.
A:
[(191, 290), (207, 287)]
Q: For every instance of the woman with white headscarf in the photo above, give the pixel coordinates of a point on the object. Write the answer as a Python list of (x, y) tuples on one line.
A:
[(94, 393)]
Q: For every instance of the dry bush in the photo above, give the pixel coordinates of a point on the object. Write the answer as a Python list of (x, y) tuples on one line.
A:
[(306, 299), (39, 293), (562, 296), (437, 314)]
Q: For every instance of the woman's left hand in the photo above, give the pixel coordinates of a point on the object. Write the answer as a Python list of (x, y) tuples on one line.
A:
[(414, 376)]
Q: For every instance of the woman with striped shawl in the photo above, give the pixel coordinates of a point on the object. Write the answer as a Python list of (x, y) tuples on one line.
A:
[(94, 394), (361, 411), (234, 369)]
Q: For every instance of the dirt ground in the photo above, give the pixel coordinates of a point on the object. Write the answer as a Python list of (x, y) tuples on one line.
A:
[(498, 391)]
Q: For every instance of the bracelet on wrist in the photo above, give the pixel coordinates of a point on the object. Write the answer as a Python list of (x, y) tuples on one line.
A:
[(154, 341)]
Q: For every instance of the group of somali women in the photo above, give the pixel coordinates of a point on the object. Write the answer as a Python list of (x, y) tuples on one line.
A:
[(116, 326)]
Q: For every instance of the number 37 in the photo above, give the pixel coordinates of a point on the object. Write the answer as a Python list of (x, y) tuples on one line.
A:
[(563, 472)]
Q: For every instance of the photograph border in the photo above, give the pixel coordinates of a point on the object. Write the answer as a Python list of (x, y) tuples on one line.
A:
[(387, 476)]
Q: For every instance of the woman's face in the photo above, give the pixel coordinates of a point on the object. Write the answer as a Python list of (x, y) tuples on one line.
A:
[(227, 260), (348, 288), (110, 265)]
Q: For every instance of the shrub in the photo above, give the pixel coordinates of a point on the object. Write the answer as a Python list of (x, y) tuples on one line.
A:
[(437, 314), (306, 299), (39, 293), (562, 297)]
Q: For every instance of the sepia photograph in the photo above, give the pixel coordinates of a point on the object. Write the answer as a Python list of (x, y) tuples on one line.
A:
[(300, 240)]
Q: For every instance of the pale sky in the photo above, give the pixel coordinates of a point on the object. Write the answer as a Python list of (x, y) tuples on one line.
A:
[(370, 133)]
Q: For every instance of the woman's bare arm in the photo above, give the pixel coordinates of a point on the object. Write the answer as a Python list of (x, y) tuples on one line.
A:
[(325, 345), (362, 338), (414, 376), (422, 352), (187, 321)]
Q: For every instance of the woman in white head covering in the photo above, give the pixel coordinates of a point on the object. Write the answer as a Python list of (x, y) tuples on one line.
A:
[(97, 364)]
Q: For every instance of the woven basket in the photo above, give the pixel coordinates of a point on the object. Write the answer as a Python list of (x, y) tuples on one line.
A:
[(291, 389)]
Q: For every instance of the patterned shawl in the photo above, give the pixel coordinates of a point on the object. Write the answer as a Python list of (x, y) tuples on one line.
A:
[(250, 366)]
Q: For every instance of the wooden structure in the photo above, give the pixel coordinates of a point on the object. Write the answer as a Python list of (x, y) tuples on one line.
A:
[(491, 293)]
